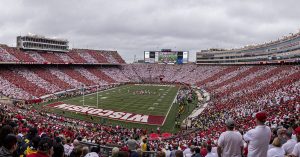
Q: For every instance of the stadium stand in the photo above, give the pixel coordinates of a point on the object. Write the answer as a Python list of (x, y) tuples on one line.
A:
[(37, 57), (20, 55), (285, 49), (115, 73), (77, 76), (86, 56), (10, 90), (100, 58), (117, 57), (33, 78), (273, 89), (46, 75), (101, 75), (110, 58), (235, 77), (64, 77), (7, 57), (90, 76), (76, 57), (130, 73), (50, 57), (21, 82), (65, 58)]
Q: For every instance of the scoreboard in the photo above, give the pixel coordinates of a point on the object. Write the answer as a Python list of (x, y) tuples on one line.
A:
[(166, 56)]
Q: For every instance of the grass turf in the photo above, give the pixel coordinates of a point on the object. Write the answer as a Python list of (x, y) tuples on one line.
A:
[(123, 99)]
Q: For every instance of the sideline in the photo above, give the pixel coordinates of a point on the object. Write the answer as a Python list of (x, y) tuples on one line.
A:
[(171, 107)]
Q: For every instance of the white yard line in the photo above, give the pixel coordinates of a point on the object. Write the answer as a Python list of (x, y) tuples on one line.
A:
[(170, 108), (76, 97)]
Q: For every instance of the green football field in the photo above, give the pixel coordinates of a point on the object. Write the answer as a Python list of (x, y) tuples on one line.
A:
[(126, 98)]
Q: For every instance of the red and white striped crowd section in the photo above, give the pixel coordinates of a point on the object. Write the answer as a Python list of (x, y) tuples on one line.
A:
[(236, 92), (74, 56)]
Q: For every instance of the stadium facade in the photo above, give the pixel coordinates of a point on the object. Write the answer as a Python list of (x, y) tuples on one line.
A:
[(282, 50)]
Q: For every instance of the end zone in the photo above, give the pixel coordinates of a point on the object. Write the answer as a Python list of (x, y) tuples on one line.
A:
[(115, 115)]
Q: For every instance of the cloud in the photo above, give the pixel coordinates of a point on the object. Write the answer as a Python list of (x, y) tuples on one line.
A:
[(132, 26)]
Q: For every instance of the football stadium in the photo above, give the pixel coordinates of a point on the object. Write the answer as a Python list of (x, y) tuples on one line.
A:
[(61, 100)]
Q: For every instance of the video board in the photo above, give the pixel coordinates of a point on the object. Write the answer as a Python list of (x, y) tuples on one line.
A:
[(166, 57)]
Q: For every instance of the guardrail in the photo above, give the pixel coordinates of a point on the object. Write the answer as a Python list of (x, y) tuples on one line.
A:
[(106, 151)]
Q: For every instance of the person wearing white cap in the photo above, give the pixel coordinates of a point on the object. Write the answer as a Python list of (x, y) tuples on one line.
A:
[(230, 142)]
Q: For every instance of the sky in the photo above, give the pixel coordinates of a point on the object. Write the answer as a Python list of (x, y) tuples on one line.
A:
[(134, 26)]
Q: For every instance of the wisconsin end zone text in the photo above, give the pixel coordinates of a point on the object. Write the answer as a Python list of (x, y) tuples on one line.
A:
[(122, 116)]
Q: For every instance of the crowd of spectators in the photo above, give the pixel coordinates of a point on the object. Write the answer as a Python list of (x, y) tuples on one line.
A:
[(33, 129), (20, 55), (228, 76), (130, 73), (39, 81), (50, 57), (64, 57), (46, 75), (10, 90), (82, 56), (37, 57), (98, 56), (5, 56), (64, 77), (77, 76), (101, 75), (90, 76), (110, 58), (115, 73), (33, 78), (118, 58), (87, 57), (22, 83), (238, 93)]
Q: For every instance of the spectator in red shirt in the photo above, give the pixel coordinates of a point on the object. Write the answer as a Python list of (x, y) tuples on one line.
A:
[(203, 150)]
